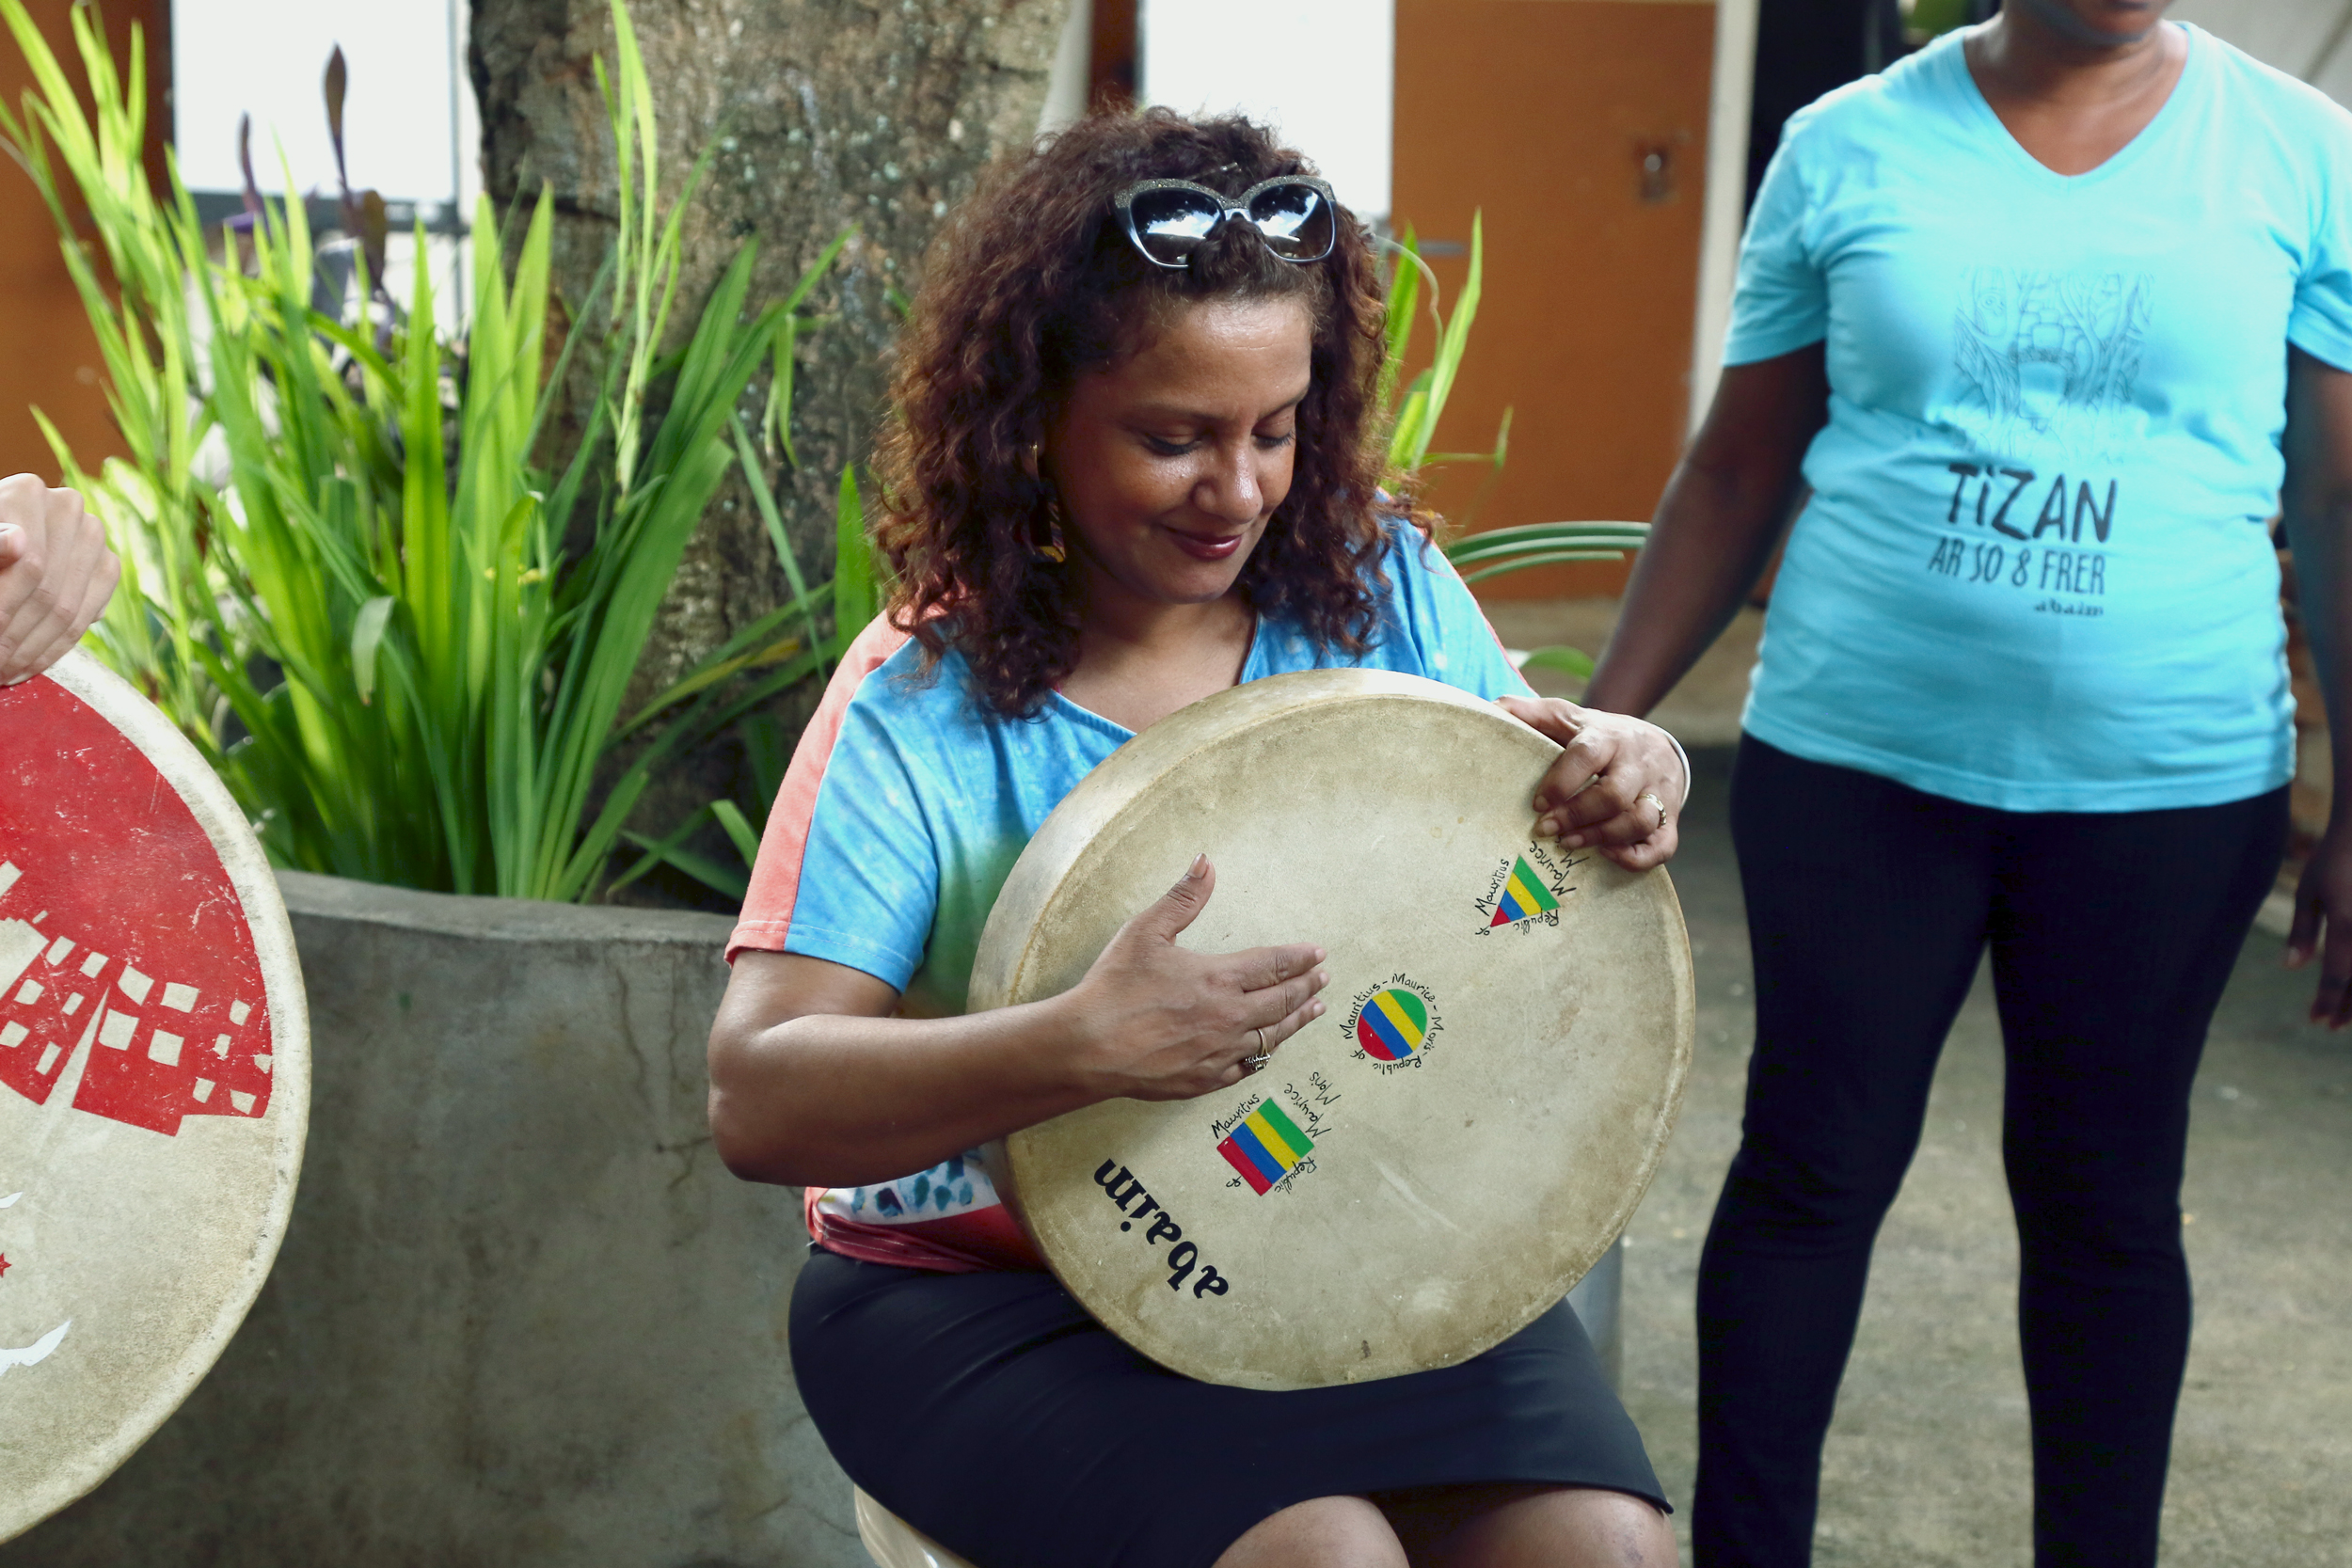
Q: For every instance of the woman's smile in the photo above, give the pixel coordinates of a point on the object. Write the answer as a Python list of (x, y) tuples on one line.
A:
[(1203, 546)]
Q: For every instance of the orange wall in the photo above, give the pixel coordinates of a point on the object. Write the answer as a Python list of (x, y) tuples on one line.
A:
[(48, 358), (1538, 112)]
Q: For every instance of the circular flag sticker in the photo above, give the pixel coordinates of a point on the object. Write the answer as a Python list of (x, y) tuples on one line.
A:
[(1391, 1025), (154, 1078)]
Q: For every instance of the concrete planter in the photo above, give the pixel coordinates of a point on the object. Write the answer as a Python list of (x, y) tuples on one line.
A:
[(522, 1315)]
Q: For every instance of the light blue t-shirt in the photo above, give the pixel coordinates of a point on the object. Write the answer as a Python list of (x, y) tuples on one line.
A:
[(2035, 572)]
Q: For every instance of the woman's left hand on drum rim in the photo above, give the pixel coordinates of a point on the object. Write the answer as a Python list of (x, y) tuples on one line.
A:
[(1617, 785)]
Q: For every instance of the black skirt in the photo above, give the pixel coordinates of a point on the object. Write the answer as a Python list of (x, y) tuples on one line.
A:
[(992, 1414)]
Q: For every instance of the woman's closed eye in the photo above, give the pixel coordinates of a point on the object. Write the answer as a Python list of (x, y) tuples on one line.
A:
[(1178, 446)]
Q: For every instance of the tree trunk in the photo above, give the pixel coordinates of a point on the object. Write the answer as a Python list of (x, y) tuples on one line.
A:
[(821, 115)]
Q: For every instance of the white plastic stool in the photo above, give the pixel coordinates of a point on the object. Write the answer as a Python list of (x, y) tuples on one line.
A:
[(892, 1542)]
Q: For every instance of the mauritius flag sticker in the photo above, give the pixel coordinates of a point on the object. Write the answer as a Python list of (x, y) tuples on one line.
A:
[(1522, 895), (1265, 1147), (1393, 1025)]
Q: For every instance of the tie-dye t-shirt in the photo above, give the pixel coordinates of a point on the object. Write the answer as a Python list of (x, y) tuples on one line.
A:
[(904, 809)]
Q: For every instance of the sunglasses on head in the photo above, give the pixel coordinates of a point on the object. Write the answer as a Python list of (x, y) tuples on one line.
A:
[(1170, 220)]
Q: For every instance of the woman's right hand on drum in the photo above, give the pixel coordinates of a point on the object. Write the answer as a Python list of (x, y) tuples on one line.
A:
[(1157, 1022)]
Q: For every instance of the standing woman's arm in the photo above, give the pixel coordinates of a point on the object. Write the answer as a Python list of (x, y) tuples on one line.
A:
[(1715, 527), (2317, 504)]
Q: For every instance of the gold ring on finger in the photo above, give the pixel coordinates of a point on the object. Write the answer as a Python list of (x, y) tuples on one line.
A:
[(1653, 800), (1264, 1052)]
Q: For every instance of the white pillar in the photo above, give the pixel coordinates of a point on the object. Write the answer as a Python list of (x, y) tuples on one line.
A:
[(1066, 88), (1727, 193), (1323, 71)]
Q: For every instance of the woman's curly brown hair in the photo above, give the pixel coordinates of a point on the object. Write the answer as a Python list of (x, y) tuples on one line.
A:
[(1034, 281)]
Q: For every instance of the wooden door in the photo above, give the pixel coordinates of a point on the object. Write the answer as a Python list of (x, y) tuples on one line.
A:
[(48, 357), (1578, 128)]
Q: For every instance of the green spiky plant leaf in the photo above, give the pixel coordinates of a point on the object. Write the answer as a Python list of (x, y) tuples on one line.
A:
[(1414, 409), (375, 633), (858, 590)]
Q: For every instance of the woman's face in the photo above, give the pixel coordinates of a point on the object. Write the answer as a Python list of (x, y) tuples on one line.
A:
[(1169, 463)]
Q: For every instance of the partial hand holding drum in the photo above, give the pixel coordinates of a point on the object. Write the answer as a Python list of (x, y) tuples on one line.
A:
[(1430, 1166), (154, 1078)]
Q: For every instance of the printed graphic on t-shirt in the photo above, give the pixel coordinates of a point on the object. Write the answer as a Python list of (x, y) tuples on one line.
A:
[(2049, 359), (953, 1186)]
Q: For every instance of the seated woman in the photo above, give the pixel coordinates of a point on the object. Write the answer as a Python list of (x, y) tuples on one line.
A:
[(1131, 466)]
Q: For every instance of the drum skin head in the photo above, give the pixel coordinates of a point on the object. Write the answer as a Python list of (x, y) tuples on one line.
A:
[(154, 1078), (1426, 1169)]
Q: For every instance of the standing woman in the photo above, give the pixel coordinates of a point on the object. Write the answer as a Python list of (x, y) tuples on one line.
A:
[(1131, 466), (2054, 313)]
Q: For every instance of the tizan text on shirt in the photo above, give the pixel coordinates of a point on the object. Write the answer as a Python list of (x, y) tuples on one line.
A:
[(2033, 534)]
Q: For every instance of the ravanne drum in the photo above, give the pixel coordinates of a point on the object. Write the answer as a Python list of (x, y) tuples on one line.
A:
[(154, 1079), (1435, 1161)]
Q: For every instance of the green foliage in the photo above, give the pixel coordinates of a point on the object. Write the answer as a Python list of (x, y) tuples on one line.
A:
[(1479, 556), (858, 590), (1413, 414), (1413, 424), (1930, 18), (1500, 550), (365, 612), (1573, 662)]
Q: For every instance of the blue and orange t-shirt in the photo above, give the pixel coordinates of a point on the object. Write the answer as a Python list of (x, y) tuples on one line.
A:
[(904, 809)]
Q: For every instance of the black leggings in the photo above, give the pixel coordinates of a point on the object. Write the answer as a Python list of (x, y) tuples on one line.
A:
[(1870, 905)]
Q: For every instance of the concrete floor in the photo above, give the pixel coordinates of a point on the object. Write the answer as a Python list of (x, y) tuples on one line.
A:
[(1926, 1462)]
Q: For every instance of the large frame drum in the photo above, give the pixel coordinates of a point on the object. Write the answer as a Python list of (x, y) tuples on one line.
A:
[(1430, 1166), (154, 1079)]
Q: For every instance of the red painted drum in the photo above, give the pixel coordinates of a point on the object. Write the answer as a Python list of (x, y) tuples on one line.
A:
[(1427, 1167), (154, 1078)]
